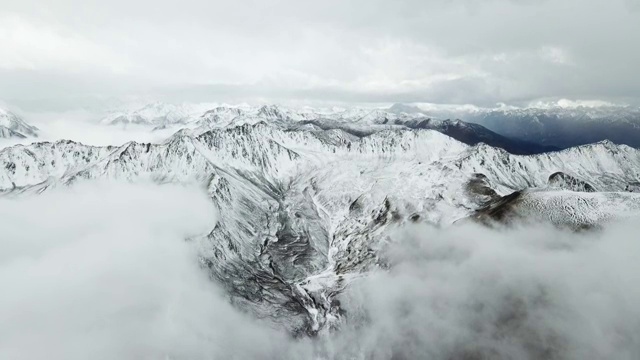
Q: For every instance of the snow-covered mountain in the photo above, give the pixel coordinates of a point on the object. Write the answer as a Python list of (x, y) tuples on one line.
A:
[(12, 126), (305, 210), (156, 115), (559, 126), (357, 121)]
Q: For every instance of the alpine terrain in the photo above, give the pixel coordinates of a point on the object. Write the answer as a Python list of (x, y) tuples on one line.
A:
[(355, 121), (306, 200)]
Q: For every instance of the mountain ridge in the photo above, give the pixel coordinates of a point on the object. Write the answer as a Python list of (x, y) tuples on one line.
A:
[(356, 121), (303, 212)]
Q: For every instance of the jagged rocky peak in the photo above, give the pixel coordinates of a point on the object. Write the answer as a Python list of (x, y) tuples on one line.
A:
[(13, 126), (221, 116), (560, 180), (224, 111), (272, 112), (479, 190), (499, 210)]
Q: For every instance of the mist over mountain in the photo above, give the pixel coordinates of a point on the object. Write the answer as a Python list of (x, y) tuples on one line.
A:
[(127, 286), (12, 126), (304, 210), (322, 180), (310, 215)]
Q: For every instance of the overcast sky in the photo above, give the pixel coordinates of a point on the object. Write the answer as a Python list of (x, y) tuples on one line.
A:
[(70, 53)]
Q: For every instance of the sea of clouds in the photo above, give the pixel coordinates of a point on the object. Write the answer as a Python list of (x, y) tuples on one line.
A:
[(84, 127), (103, 271)]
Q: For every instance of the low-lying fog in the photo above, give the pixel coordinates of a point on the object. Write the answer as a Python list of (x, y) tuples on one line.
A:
[(84, 127), (103, 271)]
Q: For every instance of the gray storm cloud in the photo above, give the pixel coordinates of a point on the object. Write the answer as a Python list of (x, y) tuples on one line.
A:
[(73, 53), (102, 271)]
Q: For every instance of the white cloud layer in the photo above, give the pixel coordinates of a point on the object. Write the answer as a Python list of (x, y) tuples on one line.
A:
[(32, 46), (73, 53), (534, 293), (84, 127), (102, 271)]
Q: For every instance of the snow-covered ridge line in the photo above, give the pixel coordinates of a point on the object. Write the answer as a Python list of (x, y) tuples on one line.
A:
[(276, 153), (304, 210), (356, 121), (157, 113), (609, 167), (13, 126), (259, 147), (518, 130)]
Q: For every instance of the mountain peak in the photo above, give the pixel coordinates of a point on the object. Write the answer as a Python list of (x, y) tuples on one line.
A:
[(399, 108), (13, 126), (272, 112)]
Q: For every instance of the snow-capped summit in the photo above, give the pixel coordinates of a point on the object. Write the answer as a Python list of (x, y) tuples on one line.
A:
[(224, 111), (271, 112), (157, 114), (12, 126)]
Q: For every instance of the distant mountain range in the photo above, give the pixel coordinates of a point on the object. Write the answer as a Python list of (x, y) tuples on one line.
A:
[(12, 126), (156, 114), (519, 131), (357, 122), (555, 126), (565, 127)]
